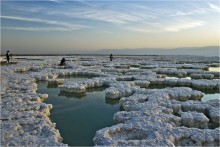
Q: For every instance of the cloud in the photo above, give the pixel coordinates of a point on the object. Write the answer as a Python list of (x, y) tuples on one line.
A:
[(38, 29), (64, 26), (122, 15), (56, 1), (110, 16), (143, 29), (183, 25), (85, 2), (177, 25), (107, 32), (214, 7)]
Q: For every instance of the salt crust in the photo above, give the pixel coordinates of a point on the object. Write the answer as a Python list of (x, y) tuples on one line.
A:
[(156, 117)]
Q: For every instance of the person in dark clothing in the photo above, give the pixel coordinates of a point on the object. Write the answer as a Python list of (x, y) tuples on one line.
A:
[(7, 56), (63, 62), (111, 57)]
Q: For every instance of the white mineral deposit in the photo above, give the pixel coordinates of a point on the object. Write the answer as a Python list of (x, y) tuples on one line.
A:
[(173, 115)]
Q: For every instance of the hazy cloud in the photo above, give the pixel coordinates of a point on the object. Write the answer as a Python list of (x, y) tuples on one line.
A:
[(214, 7), (184, 25), (40, 29), (65, 26), (108, 32)]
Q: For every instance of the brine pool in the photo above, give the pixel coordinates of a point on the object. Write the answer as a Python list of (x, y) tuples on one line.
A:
[(78, 117)]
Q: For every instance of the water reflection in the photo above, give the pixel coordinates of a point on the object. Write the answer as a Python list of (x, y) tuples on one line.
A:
[(111, 101), (78, 117)]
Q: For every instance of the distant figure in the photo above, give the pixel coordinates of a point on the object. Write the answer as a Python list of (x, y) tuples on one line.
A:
[(7, 56), (63, 62), (111, 57)]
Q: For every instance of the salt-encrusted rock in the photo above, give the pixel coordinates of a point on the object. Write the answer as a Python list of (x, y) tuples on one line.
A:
[(142, 84), (194, 106), (24, 118), (125, 78), (202, 76), (55, 81), (214, 113), (199, 84), (194, 119), (171, 71), (75, 88), (35, 68), (205, 84), (196, 137), (115, 93), (40, 77)]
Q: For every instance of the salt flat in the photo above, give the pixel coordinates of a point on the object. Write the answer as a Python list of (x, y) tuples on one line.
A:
[(158, 111)]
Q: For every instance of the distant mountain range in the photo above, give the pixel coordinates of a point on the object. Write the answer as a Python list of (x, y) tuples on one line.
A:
[(198, 51)]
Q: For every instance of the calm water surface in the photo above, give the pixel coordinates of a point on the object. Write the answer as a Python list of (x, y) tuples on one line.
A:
[(78, 117)]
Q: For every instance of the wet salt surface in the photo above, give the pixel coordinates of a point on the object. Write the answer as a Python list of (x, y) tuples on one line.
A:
[(79, 117)]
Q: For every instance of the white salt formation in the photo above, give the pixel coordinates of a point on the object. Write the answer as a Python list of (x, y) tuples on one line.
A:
[(156, 118), (24, 118), (151, 117)]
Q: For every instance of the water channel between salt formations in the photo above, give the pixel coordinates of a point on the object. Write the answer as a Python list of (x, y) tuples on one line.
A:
[(78, 117)]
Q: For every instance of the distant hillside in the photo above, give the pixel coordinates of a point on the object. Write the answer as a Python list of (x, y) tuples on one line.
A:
[(198, 51)]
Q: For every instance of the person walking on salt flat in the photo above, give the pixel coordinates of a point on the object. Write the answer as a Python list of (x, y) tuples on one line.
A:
[(7, 56), (111, 57)]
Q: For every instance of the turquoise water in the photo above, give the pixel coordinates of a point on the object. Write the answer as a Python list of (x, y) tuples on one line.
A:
[(78, 117), (208, 97)]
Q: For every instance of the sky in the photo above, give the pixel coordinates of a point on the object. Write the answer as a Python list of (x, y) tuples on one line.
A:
[(55, 26)]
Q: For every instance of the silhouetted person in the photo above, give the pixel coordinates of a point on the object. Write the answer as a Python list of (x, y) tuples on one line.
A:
[(111, 57), (63, 62), (7, 56)]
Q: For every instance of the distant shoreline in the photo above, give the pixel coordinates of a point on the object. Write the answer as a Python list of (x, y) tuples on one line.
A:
[(75, 55)]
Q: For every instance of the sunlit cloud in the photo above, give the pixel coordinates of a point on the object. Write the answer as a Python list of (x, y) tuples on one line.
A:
[(214, 7), (184, 25), (176, 26), (142, 29)]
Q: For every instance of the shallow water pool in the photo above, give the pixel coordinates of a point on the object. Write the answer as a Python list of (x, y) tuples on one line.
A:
[(208, 97), (78, 117)]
